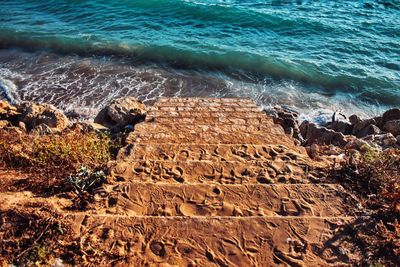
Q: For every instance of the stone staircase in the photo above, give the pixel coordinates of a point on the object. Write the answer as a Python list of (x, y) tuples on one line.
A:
[(213, 182)]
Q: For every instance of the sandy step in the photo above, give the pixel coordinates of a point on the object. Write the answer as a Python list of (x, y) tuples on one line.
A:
[(205, 109), (157, 128), (219, 241), (166, 199), (206, 100), (199, 114), (224, 172), (213, 136), (210, 120), (195, 152), (244, 104)]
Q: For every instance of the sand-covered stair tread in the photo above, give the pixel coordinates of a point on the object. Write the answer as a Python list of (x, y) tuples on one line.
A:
[(215, 241), (167, 199), (197, 152), (223, 172)]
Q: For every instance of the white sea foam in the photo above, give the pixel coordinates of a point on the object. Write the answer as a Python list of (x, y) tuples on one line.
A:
[(9, 91)]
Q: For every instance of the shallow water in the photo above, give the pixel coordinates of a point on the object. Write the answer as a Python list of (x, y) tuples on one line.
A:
[(316, 56)]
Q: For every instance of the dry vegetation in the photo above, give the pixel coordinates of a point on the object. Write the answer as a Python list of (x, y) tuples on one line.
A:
[(375, 178), (50, 159)]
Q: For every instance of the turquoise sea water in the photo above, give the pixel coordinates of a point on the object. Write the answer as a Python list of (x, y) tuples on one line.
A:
[(316, 56)]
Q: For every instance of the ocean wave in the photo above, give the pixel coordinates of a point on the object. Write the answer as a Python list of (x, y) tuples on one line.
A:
[(226, 61)]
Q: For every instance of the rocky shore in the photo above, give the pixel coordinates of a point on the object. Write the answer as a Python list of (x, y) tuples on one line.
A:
[(381, 132), (341, 178)]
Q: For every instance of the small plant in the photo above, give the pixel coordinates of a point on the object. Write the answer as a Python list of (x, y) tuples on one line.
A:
[(83, 182)]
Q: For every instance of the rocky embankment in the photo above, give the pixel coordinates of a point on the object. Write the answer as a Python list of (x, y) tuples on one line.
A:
[(380, 132), (342, 133)]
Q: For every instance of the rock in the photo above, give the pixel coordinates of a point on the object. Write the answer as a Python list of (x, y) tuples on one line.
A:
[(389, 140), (354, 119), (287, 118), (379, 121), (342, 127), (369, 130), (8, 112), (391, 115), (392, 127), (22, 126), (121, 112), (33, 115), (89, 127), (361, 125), (383, 140), (398, 139), (321, 135), (4, 124), (42, 129)]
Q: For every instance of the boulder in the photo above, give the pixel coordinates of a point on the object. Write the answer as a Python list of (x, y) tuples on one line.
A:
[(4, 124), (379, 121), (392, 127), (391, 115), (42, 129), (361, 125), (383, 140), (7, 111), (354, 119), (342, 127), (314, 134), (121, 112), (398, 139), (287, 118), (33, 115), (369, 130), (89, 127)]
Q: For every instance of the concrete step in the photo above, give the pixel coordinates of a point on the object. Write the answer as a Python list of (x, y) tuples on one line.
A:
[(274, 136), (156, 128), (224, 172), (218, 241), (209, 120), (203, 114), (166, 199), (199, 101), (160, 109), (196, 152)]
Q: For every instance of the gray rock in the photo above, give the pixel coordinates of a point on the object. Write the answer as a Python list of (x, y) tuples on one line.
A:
[(287, 118), (314, 134), (342, 127), (34, 115), (121, 112), (389, 140), (392, 127), (42, 129), (391, 115), (383, 140), (361, 125), (398, 139), (369, 130), (89, 127), (379, 121), (354, 119)]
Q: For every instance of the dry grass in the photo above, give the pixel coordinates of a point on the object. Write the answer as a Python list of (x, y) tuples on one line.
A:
[(375, 178), (50, 159), (34, 237)]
